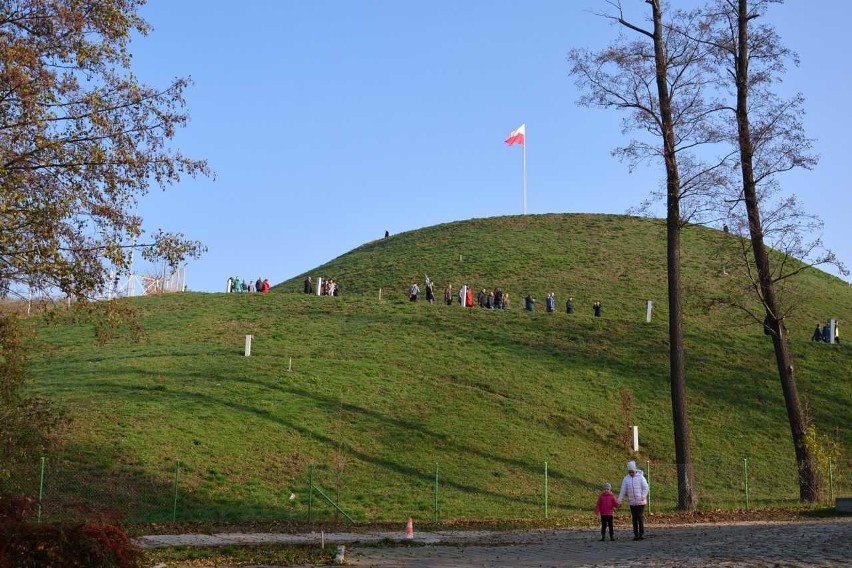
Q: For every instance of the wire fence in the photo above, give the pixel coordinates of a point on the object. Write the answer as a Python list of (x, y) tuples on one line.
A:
[(178, 492)]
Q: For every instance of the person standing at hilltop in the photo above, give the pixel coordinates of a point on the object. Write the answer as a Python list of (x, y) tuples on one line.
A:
[(550, 303), (817, 336), (413, 290), (448, 295), (569, 305), (468, 300), (529, 303), (597, 308), (309, 286)]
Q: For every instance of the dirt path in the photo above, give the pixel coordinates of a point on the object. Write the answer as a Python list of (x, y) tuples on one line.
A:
[(810, 544), (759, 544)]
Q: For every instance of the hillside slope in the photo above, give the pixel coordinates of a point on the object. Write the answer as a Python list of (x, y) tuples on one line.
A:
[(377, 394)]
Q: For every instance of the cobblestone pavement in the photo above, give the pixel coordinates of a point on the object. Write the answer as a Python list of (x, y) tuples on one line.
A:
[(826, 544), (780, 544)]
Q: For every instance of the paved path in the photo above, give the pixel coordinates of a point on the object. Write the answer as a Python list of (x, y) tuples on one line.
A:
[(787, 544)]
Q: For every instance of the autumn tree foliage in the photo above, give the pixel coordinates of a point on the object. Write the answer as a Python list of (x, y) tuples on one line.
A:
[(81, 140)]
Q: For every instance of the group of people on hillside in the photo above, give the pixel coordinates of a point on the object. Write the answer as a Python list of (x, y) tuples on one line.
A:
[(635, 488), (244, 285), (327, 286), (550, 305), (823, 334)]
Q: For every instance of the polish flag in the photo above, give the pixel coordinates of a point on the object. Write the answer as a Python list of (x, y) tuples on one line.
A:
[(517, 137)]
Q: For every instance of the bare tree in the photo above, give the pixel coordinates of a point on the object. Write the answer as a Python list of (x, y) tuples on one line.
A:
[(661, 81), (767, 133)]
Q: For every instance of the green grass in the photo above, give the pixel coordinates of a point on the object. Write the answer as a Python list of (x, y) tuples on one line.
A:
[(383, 390)]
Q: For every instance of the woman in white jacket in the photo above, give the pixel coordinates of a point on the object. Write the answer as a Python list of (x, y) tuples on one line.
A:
[(635, 487)]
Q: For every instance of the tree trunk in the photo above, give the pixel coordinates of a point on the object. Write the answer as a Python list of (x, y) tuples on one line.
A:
[(685, 477), (808, 474)]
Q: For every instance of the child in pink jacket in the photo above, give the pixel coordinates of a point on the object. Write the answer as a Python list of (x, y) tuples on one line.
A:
[(604, 507)]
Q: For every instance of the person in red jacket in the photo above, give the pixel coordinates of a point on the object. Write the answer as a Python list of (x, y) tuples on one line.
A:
[(604, 508), (264, 287)]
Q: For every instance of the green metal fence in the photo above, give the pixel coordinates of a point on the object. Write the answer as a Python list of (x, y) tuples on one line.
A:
[(177, 492)]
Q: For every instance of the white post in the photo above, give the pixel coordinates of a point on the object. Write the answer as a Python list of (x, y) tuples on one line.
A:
[(380, 294), (649, 309), (30, 305), (635, 430), (248, 345), (319, 286), (290, 365), (463, 296), (833, 331)]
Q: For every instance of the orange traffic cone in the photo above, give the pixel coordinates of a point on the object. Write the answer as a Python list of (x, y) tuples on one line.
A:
[(409, 528)]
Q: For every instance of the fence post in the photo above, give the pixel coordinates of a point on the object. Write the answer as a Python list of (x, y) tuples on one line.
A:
[(174, 502), (648, 479), (745, 479), (310, 492), (40, 489), (545, 490), (436, 492), (830, 481)]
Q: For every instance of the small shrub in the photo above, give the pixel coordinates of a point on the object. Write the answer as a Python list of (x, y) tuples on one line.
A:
[(16, 508), (86, 545)]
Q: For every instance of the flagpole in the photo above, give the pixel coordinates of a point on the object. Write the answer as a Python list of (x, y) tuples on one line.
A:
[(525, 174)]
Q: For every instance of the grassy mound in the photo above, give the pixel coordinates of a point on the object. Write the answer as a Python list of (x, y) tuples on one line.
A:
[(381, 395)]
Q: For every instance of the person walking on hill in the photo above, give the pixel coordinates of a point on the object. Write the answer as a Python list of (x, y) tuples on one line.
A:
[(264, 286), (635, 487), (817, 336), (836, 332), (309, 286), (597, 308), (826, 332), (482, 298), (569, 305), (604, 507), (448, 295), (468, 300), (529, 303), (550, 303), (413, 290), (430, 291)]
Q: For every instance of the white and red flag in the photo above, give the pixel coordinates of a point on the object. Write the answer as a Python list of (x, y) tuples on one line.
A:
[(518, 136)]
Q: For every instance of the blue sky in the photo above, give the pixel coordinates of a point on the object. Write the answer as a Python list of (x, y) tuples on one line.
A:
[(328, 122)]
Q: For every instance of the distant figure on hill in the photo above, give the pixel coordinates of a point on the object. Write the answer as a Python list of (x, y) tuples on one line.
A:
[(597, 308), (309, 286), (498, 298), (550, 303), (529, 303), (238, 286), (489, 303), (430, 291), (836, 332), (468, 300), (258, 284), (387, 234), (264, 286), (482, 298), (767, 325), (413, 290), (725, 228), (826, 332), (569, 305), (462, 294), (817, 336), (505, 300), (448, 295)]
